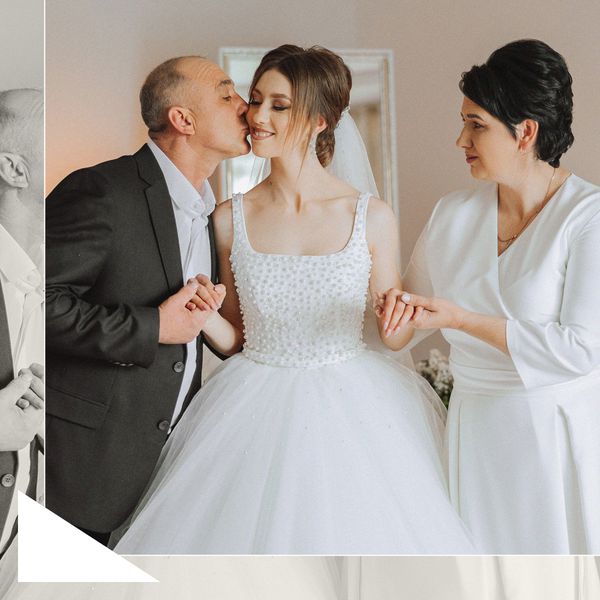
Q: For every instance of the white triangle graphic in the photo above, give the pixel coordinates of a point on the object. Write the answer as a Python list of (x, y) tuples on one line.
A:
[(52, 550)]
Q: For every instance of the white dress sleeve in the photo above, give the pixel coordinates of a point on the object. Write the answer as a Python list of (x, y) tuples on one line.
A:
[(547, 354)]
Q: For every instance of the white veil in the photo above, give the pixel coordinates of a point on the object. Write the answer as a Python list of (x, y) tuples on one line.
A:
[(351, 164)]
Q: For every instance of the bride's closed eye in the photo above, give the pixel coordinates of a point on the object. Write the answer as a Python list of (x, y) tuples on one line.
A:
[(277, 107)]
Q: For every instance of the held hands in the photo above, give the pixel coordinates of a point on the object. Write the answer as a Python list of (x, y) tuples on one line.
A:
[(396, 308), (180, 321), (35, 395), (21, 409), (209, 297)]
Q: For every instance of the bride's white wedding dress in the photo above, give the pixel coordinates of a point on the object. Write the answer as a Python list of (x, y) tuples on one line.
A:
[(306, 442)]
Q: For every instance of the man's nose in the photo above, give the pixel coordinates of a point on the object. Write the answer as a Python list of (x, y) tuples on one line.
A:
[(242, 106)]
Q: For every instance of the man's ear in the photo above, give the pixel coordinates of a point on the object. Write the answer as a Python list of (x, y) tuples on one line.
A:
[(182, 120), (13, 170)]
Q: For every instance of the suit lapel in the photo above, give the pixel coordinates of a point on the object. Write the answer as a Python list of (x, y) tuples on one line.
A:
[(162, 216), (6, 363)]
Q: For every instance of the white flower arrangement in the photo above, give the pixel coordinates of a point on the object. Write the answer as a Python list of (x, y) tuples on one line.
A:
[(436, 370)]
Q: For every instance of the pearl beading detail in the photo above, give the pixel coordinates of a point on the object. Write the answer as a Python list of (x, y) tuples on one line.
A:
[(302, 311)]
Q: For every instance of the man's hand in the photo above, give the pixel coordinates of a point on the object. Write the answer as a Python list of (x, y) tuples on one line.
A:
[(34, 396), (208, 295), (178, 324), (18, 426)]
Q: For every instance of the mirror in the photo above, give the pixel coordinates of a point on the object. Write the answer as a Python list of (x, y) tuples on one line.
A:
[(371, 106)]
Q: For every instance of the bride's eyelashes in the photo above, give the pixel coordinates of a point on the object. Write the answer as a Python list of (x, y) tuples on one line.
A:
[(277, 107)]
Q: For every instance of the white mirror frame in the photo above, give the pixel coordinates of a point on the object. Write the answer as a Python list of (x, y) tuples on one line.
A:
[(385, 62)]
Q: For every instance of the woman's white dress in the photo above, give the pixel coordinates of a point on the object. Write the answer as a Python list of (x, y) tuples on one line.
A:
[(306, 442), (523, 427)]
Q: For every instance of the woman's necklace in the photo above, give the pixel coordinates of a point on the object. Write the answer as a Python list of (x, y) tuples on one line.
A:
[(510, 240)]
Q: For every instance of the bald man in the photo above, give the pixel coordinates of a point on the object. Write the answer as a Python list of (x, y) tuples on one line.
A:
[(124, 353), (21, 300)]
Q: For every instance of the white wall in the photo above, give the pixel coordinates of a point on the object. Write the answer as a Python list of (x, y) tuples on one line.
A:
[(21, 44), (98, 54)]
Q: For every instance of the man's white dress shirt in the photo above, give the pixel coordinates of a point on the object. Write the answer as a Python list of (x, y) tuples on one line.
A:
[(191, 208)]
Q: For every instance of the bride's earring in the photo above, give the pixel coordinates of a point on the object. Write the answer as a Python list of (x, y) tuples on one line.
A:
[(312, 145)]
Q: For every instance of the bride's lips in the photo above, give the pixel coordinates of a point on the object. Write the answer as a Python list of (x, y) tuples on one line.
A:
[(471, 159), (260, 134)]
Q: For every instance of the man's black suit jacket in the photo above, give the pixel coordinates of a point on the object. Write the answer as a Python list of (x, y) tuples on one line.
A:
[(112, 256)]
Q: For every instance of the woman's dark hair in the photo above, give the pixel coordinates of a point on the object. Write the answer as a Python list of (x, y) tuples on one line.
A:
[(527, 79), (321, 84)]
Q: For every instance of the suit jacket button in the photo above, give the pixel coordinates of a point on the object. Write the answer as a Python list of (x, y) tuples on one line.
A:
[(178, 367), (8, 480), (164, 425)]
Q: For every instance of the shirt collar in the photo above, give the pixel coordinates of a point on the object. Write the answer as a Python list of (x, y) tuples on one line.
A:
[(15, 264), (185, 196)]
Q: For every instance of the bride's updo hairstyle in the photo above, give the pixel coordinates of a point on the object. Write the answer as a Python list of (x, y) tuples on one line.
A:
[(527, 79), (321, 84)]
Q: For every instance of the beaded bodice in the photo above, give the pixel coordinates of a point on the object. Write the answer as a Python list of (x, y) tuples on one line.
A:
[(302, 311)]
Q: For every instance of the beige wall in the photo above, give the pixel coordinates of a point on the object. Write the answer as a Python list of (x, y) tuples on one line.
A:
[(22, 44), (99, 52)]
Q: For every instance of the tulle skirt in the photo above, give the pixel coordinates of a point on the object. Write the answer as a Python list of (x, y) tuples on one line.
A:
[(339, 459)]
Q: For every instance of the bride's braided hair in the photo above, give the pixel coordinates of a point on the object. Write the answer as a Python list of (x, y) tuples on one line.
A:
[(321, 84)]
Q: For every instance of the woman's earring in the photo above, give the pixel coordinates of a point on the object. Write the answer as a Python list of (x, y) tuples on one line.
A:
[(312, 145)]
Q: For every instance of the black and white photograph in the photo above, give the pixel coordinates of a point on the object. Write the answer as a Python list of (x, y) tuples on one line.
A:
[(21, 268)]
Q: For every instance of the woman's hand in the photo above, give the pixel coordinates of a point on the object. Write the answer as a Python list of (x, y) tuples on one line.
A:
[(396, 308), (208, 297), (434, 313), (391, 311)]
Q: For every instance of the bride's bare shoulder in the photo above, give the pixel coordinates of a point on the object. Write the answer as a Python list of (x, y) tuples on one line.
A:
[(222, 211), (223, 223), (381, 220), (256, 193), (379, 210)]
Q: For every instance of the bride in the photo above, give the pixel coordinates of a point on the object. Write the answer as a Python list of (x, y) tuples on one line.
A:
[(305, 442)]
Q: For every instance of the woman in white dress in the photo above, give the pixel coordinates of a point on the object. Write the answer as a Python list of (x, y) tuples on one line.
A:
[(510, 272), (305, 442)]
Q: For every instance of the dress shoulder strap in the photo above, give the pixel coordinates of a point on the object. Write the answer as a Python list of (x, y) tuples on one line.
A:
[(360, 216), (238, 218)]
